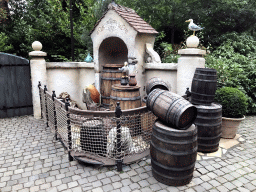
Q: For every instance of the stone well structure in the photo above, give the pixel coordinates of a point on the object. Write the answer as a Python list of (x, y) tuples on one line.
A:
[(122, 35)]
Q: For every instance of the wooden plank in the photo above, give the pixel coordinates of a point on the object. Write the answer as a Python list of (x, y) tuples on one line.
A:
[(21, 78), (3, 114), (15, 89)]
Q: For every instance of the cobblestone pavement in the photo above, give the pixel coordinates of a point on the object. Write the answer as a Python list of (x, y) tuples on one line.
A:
[(31, 160)]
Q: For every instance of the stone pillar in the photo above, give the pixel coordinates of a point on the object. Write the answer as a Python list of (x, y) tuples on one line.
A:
[(190, 59), (38, 73)]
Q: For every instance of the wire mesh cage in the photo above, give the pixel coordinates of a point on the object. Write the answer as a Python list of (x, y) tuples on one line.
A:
[(99, 135)]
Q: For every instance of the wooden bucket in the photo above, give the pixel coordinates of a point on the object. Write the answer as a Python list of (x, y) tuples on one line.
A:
[(127, 96), (109, 76), (173, 154), (203, 87), (156, 83), (208, 122), (171, 108)]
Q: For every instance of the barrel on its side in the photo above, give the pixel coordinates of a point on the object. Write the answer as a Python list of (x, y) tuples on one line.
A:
[(203, 87), (93, 137), (171, 108), (127, 96), (208, 123), (109, 76), (156, 83), (173, 154)]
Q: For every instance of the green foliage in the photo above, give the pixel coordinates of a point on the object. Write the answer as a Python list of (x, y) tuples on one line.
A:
[(235, 62), (168, 55), (234, 102), (4, 47)]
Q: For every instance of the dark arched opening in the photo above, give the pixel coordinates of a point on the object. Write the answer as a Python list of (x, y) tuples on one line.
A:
[(112, 50)]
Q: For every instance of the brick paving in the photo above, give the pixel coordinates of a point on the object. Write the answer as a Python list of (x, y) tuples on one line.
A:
[(31, 160)]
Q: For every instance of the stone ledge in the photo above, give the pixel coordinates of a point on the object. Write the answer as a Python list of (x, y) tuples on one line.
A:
[(161, 66), (69, 65), (191, 52)]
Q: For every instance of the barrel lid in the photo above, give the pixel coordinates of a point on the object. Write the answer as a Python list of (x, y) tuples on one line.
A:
[(125, 87), (92, 123), (113, 65), (162, 125)]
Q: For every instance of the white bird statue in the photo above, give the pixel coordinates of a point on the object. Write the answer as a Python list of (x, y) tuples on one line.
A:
[(193, 27)]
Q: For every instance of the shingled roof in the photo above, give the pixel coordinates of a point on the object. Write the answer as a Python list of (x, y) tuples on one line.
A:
[(131, 17)]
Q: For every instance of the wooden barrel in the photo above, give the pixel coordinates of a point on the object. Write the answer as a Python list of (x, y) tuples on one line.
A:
[(109, 76), (127, 96), (144, 101), (203, 87), (156, 83), (171, 108), (208, 122), (93, 137), (173, 154)]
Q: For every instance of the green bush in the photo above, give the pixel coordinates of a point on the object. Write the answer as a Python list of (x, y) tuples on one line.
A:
[(234, 102), (235, 62), (4, 47)]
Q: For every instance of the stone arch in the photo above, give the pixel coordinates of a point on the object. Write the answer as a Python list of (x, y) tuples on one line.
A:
[(112, 50)]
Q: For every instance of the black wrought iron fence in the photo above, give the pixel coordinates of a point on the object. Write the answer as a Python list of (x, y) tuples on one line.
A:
[(98, 137)]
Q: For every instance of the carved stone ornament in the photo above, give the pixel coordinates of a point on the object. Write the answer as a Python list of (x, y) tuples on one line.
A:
[(112, 25)]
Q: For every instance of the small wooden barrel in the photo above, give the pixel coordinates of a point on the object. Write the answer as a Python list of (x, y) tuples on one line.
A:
[(203, 87), (173, 154), (156, 83), (208, 122), (127, 96), (109, 76), (171, 108), (93, 137)]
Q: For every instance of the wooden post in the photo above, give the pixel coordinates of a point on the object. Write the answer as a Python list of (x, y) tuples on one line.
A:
[(46, 110), (70, 158), (118, 114), (55, 114), (40, 96)]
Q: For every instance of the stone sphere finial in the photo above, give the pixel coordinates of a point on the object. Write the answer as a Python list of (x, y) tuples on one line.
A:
[(37, 46), (192, 42)]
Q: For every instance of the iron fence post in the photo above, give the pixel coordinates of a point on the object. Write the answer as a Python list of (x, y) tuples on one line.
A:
[(46, 110), (118, 114), (54, 113), (67, 104), (40, 97)]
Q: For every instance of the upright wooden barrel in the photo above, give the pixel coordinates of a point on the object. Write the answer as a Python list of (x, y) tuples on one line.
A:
[(173, 154), (127, 96), (171, 108), (156, 83), (208, 123), (203, 87), (109, 76)]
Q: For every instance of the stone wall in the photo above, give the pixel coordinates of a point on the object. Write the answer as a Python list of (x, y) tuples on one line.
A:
[(70, 77)]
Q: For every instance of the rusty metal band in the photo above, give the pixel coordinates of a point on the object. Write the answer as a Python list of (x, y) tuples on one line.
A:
[(124, 90), (126, 98), (111, 79)]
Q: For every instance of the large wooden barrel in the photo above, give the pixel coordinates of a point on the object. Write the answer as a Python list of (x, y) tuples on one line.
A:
[(110, 75), (208, 123), (171, 108), (173, 154), (203, 87), (156, 83), (93, 137), (127, 96)]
